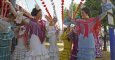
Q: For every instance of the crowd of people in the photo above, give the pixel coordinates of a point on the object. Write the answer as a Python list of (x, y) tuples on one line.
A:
[(23, 34)]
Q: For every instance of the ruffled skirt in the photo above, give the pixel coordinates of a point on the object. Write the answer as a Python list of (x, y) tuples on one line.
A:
[(19, 53), (86, 47), (98, 50), (65, 54), (37, 50), (53, 53), (53, 48), (74, 51)]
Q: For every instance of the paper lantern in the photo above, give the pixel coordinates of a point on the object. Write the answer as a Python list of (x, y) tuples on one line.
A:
[(62, 0), (46, 9), (61, 6), (42, 2), (80, 2), (44, 5)]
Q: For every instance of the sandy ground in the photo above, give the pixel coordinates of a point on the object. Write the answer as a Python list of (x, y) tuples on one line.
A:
[(106, 55)]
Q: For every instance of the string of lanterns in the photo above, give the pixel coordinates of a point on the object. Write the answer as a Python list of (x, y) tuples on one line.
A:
[(43, 3), (77, 9), (62, 11), (53, 8)]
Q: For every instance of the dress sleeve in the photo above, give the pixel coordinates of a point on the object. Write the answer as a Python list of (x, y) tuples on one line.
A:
[(20, 18), (62, 37), (76, 21), (98, 18), (101, 16), (47, 25), (71, 35)]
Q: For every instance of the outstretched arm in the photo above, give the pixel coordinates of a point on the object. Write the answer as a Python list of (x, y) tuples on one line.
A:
[(19, 8), (75, 21), (19, 15), (98, 18), (48, 18), (102, 15), (106, 7), (11, 7)]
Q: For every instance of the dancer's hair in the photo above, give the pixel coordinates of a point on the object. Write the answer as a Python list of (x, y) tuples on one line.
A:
[(35, 11), (86, 10)]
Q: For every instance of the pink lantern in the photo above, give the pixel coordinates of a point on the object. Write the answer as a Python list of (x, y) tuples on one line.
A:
[(44, 5), (42, 2)]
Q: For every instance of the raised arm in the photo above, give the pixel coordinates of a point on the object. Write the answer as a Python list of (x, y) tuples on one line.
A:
[(98, 18), (19, 8), (75, 21), (102, 15), (105, 7), (11, 7), (48, 18), (20, 18), (19, 15)]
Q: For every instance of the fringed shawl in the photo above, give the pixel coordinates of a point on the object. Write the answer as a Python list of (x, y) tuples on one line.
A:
[(91, 25), (37, 28)]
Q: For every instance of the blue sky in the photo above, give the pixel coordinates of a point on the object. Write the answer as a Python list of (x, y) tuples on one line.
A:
[(29, 5)]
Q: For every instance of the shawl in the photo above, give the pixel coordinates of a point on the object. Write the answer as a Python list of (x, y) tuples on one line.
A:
[(95, 26), (37, 28)]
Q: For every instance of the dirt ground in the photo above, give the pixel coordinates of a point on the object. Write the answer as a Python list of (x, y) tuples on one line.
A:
[(106, 56)]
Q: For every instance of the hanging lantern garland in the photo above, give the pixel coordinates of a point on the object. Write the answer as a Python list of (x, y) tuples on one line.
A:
[(77, 9), (62, 12), (53, 8), (43, 3)]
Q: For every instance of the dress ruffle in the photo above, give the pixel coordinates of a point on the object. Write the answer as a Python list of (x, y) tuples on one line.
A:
[(19, 53), (37, 50), (86, 48), (53, 48)]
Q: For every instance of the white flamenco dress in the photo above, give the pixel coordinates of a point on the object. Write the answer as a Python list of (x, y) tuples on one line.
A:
[(53, 48), (37, 50), (20, 50)]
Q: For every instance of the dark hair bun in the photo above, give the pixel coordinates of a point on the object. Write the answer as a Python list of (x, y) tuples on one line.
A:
[(86, 10), (35, 11)]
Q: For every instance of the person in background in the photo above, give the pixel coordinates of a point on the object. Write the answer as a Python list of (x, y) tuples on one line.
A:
[(20, 49), (52, 38), (66, 53), (73, 35)]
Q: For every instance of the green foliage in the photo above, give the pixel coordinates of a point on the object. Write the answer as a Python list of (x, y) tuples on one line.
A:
[(65, 12), (94, 6), (72, 7), (95, 9)]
